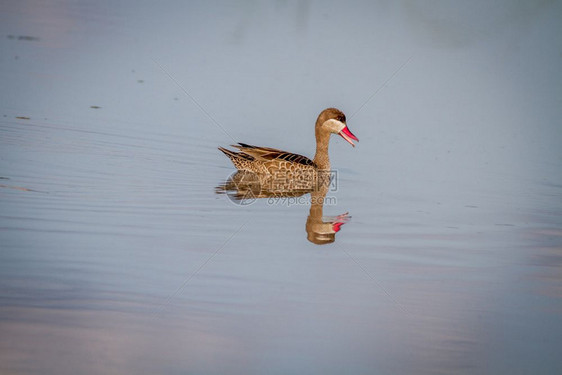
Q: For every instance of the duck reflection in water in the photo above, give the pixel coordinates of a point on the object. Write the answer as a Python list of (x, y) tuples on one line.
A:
[(265, 172), (245, 187)]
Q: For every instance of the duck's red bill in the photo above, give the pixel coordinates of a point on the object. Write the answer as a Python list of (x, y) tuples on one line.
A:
[(348, 136)]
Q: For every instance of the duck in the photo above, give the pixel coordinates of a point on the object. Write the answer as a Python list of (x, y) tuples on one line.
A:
[(272, 161)]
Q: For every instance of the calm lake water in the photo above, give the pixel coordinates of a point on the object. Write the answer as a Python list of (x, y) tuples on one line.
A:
[(118, 256)]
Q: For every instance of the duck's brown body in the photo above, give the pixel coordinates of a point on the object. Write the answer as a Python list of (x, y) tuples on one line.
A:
[(271, 161), (266, 160)]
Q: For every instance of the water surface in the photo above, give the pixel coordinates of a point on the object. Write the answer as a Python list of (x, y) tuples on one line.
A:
[(118, 256)]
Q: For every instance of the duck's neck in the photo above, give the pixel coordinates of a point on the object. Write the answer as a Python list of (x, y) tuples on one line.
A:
[(321, 159)]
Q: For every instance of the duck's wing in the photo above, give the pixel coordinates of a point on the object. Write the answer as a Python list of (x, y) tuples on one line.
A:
[(265, 154)]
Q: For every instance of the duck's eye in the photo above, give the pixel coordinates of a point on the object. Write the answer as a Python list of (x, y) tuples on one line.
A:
[(341, 118)]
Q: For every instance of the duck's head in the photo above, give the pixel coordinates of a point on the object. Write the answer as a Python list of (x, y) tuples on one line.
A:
[(332, 120)]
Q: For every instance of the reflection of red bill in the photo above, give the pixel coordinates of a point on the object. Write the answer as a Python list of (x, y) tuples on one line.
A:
[(348, 136), (337, 226)]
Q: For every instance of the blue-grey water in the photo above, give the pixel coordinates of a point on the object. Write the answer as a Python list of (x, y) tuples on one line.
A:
[(117, 256)]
